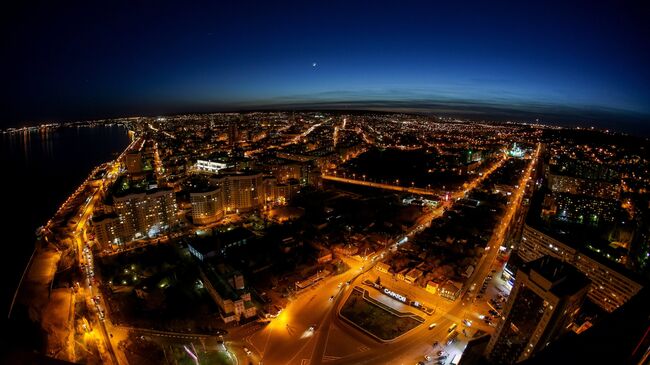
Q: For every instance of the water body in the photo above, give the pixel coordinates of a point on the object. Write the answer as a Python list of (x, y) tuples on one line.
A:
[(39, 170)]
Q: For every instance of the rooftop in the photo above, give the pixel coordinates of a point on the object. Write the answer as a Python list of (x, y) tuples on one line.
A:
[(208, 244), (577, 237), (563, 279), (124, 186)]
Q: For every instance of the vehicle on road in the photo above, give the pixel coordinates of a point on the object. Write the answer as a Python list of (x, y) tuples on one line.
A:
[(452, 337), (452, 327), (247, 351), (432, 326)]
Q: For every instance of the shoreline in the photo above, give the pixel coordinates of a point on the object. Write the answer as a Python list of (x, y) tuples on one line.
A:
[(34, 298)]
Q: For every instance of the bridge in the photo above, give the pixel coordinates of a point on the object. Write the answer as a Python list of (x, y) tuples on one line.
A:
[(403, 189)]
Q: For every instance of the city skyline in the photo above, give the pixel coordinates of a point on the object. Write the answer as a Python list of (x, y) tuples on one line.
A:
[(319, 237), (326, 183), (573, 64)]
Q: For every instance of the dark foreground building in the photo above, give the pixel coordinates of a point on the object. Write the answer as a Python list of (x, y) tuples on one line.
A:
[(545, 300)]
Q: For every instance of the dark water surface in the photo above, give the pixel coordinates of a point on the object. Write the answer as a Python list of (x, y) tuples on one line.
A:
[(38, 171)]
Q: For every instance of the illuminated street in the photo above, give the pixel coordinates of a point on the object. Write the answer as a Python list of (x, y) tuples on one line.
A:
[(340, 183)]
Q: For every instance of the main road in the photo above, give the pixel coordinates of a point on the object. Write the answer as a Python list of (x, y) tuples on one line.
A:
[(304, 328), (405, 189), (419, 340), (86, 262)]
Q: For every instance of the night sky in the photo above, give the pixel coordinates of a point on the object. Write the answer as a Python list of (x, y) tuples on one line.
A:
[(66, 60)]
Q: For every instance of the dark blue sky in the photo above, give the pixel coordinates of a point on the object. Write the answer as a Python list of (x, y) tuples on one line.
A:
[(81, 60)]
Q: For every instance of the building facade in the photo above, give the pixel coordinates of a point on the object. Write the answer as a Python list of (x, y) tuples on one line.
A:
[(243, 192), (609, 289), (107, 229), (545, 300), (207, 205), (212, 167), (230, 295), (576, 185), (138, 215)]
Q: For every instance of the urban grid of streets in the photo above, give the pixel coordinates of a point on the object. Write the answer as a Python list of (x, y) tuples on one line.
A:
[(288, 339)]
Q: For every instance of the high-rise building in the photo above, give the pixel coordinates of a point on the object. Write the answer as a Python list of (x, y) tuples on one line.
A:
[(207, 204), (584, 178), (611, 286), (243, 191), (142, 214), (576, 185), (544, 301), (136, 215), (108, 230), (233, 134), (239, 191), (134, 163), (282, 193), (139, 159)]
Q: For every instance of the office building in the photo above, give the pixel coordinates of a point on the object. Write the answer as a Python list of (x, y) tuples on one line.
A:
[(210, 166)]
